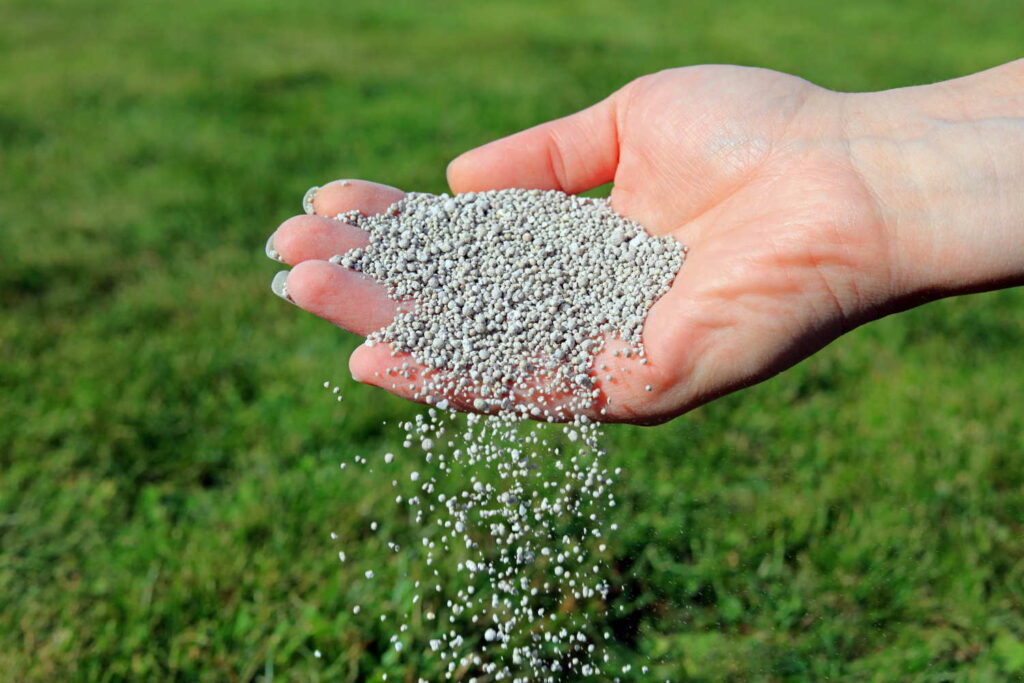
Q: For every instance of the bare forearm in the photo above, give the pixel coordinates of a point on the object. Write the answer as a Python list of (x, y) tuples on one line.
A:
[(946, 165)]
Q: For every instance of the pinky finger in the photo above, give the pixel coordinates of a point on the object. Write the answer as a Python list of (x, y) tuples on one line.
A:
[(398, 373)]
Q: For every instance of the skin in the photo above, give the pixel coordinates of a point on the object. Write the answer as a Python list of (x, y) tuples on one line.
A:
[(807, 213)]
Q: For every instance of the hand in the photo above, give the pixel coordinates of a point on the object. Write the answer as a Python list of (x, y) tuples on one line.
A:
[(757, 172)]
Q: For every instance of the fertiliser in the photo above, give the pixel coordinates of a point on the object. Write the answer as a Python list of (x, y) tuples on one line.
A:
[(507, 297)]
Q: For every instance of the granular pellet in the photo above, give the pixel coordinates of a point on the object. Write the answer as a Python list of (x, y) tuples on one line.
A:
[(515, 291), (507, 297)]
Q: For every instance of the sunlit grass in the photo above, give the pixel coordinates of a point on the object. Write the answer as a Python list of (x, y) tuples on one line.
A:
[(170, 460)]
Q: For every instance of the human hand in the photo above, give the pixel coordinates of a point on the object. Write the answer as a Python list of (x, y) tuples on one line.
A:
[(783, 191)]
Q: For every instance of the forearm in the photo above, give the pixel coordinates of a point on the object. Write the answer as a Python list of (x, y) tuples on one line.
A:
[(945, 163)]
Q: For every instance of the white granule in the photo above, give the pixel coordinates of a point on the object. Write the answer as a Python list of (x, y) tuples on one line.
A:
[(515, 292), (500, 277)]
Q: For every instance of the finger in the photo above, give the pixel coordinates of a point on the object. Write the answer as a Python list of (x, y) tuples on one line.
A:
[(344, 297), (341, 196), (571, 154), (629, 388), (306, 238), (303, 238), (398, 373)]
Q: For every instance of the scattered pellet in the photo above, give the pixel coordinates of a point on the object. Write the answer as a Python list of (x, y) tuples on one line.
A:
[(512, 294)]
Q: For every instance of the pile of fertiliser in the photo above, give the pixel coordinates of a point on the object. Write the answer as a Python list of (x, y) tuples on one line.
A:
[(509, 295)]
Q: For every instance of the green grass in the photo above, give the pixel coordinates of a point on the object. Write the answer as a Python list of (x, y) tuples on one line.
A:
[(168, 459)]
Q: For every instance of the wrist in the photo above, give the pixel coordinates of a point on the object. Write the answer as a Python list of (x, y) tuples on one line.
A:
[(945, 163)]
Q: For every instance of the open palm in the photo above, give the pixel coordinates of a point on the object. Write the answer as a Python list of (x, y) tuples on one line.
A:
[(749, 168)]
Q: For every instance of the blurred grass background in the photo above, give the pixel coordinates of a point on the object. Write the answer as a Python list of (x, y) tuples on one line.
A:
[(168, 458)]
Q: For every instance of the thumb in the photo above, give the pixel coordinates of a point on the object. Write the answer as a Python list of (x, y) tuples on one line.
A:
[(572, 154)]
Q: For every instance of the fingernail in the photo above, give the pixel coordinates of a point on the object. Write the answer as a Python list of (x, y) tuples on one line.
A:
[(357, 376), (307, 199), (279, 286), (271, 252)]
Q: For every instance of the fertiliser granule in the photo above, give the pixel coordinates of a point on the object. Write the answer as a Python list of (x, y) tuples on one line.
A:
[(507, 296), (512, 288)]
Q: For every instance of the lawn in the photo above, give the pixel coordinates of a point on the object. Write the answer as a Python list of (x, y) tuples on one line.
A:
[(169, 459)]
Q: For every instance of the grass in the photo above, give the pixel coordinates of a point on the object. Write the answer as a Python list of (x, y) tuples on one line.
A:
[(168, 459)]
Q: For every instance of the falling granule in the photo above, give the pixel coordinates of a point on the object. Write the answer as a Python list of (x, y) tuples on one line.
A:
[(516, 292)]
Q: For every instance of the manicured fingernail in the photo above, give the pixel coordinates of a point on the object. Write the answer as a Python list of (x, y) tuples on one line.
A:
[(307, 199), (357, 376), (279, 286), (271, 252)]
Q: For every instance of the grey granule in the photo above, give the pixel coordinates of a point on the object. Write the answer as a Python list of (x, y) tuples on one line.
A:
[(509, 296), (509, 283)]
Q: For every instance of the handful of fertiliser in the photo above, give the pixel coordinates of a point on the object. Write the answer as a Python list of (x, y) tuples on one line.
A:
[(511, 295)]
